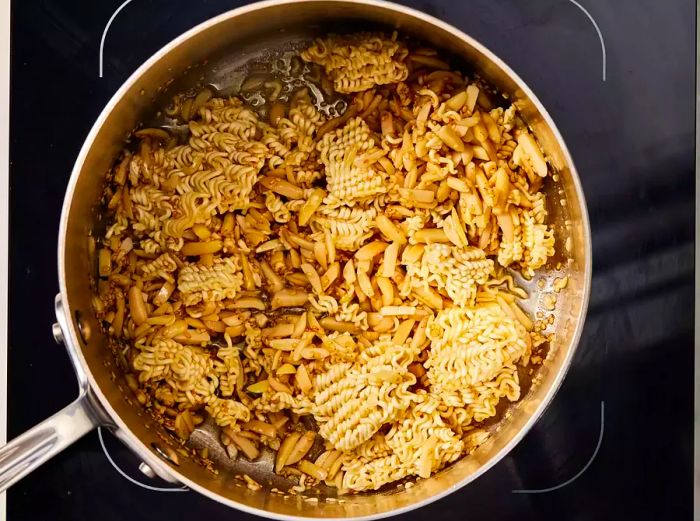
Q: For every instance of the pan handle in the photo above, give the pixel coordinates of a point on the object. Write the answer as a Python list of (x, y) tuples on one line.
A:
[(36, 446), (39, 444)]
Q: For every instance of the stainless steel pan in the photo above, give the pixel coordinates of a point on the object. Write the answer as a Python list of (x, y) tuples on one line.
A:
[(211, 51)]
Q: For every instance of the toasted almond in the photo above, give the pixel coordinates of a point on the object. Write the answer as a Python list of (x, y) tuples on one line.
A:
[(398, 311), (430, 235), (285, 450), (259, 387), (302, 379), (301, 448), (370, 250), (282, 187), (286, 369), (289, 298), (260, 427), (312, 470)]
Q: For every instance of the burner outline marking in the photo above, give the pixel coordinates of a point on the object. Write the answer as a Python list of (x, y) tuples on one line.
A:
[(577, 4), (104, 33), (597, 30), (124, 474), (580, 472)]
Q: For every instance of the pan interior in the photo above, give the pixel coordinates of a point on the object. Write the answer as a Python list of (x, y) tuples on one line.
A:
[(220, 56)]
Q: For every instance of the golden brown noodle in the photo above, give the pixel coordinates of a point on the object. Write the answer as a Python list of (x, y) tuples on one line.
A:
[(350, 270)]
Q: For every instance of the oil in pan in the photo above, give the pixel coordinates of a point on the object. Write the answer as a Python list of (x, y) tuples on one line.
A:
[(283, 75)]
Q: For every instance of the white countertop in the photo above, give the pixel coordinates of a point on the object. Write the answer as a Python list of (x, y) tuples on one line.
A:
[(4, 213)]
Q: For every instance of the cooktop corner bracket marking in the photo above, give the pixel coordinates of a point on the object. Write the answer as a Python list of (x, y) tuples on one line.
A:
[(597, 30), (104, 33), (580, 472)]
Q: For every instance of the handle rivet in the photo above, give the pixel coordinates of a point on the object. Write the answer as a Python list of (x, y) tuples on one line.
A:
[(83, 327), (57, 333), (146, 470), (167, 454)]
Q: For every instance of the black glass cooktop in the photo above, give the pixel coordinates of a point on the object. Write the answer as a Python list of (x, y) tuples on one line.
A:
[(617, 440)]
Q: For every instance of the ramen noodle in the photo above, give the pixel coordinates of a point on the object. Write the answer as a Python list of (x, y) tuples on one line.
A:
[(354, 270)]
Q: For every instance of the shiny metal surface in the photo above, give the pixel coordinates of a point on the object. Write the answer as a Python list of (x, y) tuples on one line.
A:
[(57, 333), (23, 454), (146, 470), (26, 452), (243, 32)]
